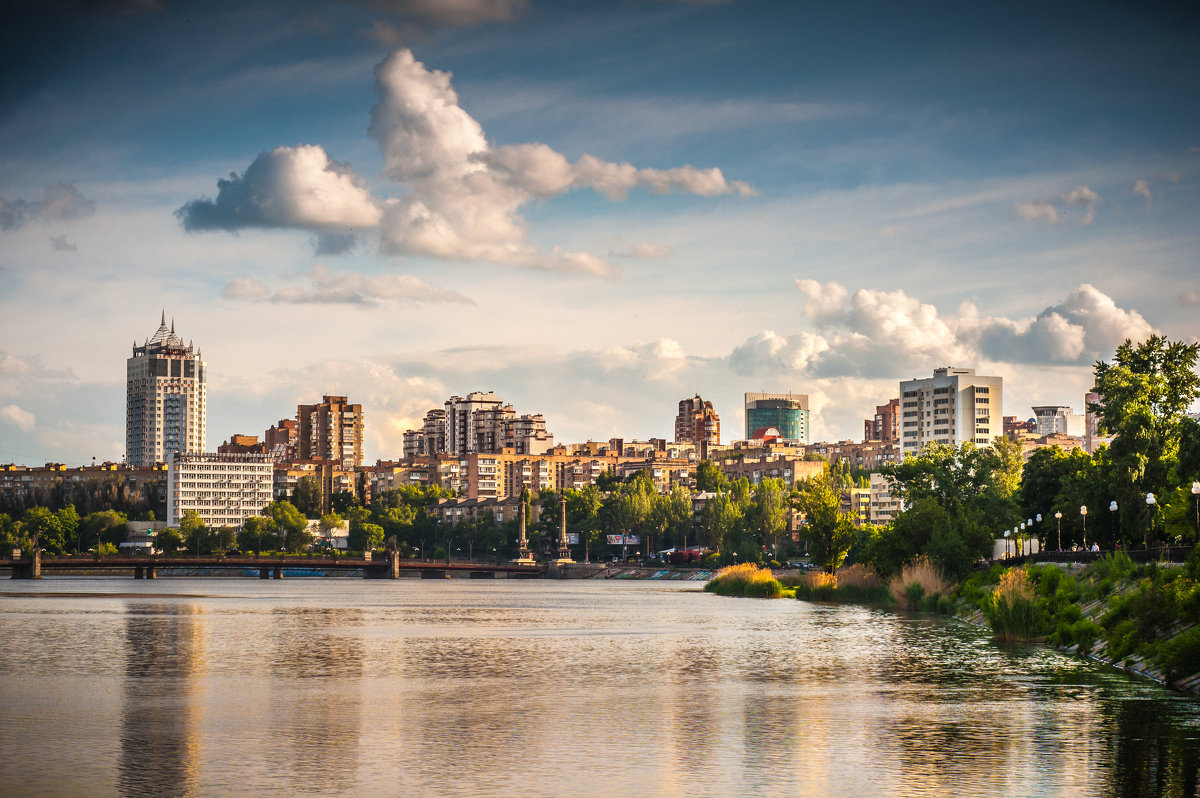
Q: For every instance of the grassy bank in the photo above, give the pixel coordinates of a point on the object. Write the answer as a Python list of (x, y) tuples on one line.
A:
[(1140, 617), (746, 579)]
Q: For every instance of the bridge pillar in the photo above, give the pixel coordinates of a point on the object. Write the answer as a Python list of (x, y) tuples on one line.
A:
[(31, 569), (264, 572), (277, 573), (150, 573), (393, 565), (139, 572)]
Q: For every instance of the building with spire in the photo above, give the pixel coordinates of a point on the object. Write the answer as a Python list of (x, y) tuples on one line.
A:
[(165, 386)]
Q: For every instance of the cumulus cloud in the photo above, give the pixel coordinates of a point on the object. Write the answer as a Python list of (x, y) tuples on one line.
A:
[(1054, 209), (878, 334), (1190, 299), (61, 244), (462, 198), (60, 203), (287, 187), (18, 417), (326, 287), (1141, 188), (643, 250)]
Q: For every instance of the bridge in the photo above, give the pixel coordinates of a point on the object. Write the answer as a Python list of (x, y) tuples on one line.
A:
[(148, 566)]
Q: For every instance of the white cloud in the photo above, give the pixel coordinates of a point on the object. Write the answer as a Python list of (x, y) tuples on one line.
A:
[(643, 250), (1046, 208), (61, 244), (342, 288), (287, 187), (1190, 299), (462, 199), (1141, 188), (19, 418), (60, 203)]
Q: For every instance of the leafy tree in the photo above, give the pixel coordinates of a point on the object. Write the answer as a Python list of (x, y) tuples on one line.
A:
[(770, 511), (103, 526), (608, 481), (47, 527), (342, 501), (258, 533), (1147, 390), (306, 496), (68, 522), (671, 514), (720, 522), (365, 537), (710, 478), (168, 541), (829, 531), (292, 525), (192, 530)]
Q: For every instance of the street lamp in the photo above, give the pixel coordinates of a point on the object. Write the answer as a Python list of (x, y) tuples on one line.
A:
[(1029, 523), (1038, 518), (1083, 512), (1150, 502), (1196, 493), (1006, 544), (1112, 508), (1023, 542), (1058, 518)]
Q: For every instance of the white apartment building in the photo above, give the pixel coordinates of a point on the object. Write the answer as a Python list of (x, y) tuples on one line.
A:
[(953, 406), (164, 399), (225, 489), (883, 507)]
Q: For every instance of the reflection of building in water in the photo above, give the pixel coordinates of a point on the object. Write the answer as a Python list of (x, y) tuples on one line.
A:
[(164, 653), (314, 650)]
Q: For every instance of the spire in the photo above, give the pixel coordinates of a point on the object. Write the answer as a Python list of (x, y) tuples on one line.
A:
[(164, 317), (172, 325)]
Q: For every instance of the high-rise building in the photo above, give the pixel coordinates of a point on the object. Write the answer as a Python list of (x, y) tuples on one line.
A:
[(164, 398), (952, 407), (479, 424), (786, 412), (332, 431), (282, 440), (225, 489), (885, 426), (697, 421)]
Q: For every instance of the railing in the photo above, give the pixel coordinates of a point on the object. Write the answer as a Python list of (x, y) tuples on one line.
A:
[(1152, 554)]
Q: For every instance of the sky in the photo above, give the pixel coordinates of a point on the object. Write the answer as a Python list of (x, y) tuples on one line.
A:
[(595, 209)]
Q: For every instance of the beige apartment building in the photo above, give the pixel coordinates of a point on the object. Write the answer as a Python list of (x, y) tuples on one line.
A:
[(954, 406), (331, 430)]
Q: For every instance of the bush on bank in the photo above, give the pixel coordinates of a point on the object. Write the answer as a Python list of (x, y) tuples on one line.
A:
[(854, 584), (1143, 612), (746, 579)]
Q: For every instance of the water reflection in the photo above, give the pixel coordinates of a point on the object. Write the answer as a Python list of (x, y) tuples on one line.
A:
[(160, 740)]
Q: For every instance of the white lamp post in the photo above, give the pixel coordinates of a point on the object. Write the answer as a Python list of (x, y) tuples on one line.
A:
[(1058, 518), (1112, 508), (1150, 502), (1083, 512), (1006, 544), (1196, 493)]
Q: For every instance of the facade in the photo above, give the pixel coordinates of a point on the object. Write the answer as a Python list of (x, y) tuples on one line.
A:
[(885, 425), (883, 506), (479, 424), (789, 468), (165, 391), (786, 412), (1057, 420), (1092, 439), (225, 489), (282, 440), (698, 422), (331, 430), (954, 406), (26, 486), (241, 444)]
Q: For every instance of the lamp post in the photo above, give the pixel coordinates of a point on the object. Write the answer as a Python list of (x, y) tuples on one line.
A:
[(1150, 502), (1006, 544), (1022, 542), (1083, 512), (1058, 518), (1112, 508), (1029, 523), (1196, 493)]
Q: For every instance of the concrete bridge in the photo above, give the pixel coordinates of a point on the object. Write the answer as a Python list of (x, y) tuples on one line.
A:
[(148, 566)]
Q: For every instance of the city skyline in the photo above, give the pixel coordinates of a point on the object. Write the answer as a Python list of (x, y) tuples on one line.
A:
[(594, 211)]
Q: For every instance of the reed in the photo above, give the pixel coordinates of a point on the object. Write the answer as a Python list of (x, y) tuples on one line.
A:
[(919, 583), (1012, 608), (746, 579)]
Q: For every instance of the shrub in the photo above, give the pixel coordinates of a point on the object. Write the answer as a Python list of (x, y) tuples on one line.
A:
[(817, 586), (1012, 611), (1081, 632), (1180, 657), (919, 578), (746, 579)]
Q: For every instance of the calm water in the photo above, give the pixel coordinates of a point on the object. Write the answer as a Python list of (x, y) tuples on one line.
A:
[(354, 687)]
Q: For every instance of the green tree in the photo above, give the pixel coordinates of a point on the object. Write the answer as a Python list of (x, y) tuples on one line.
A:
[(719, 523), (710, 478), (103, 526), (40, 522), (292, 525), (829, 531), (770, 511), (671, 514), (1147, 389), (192, 531), (68, 522), (306, 496), (259, 534), (365, 537), (168, 541)]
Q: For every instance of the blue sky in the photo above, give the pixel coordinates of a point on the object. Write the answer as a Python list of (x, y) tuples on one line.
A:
[(595, 209)]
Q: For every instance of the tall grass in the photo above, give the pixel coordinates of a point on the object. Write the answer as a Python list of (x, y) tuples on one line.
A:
[(746, 579), (1012, 609), (919, 584), (858, 584)]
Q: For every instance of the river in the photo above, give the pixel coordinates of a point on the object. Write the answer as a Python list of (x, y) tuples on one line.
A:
[(203, 687)]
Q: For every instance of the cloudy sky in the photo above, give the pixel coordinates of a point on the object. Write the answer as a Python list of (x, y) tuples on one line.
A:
[(595, 209)]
